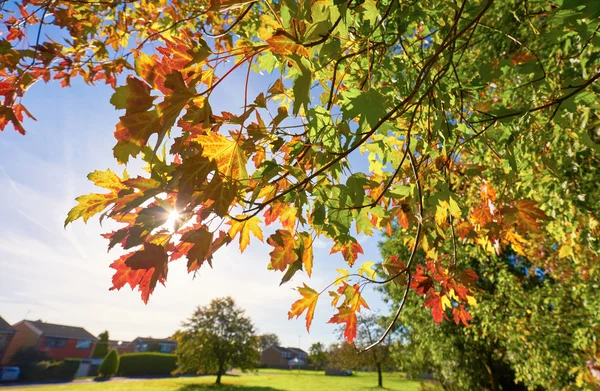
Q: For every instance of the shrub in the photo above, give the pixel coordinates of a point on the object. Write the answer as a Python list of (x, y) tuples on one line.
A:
[(109, 365), (147, 364), (27, 356), (49, 371)]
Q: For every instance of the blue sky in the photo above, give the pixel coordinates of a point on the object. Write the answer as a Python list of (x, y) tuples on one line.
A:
[(62, 276)]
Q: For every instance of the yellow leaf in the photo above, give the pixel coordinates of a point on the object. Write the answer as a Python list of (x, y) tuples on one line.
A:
[(344, 276), (565, 251), (471, 300), (307, 253), (244, 228), (454, 209), (227, 153), (446, 302), (441, 212), (308, 302), (366, 270)]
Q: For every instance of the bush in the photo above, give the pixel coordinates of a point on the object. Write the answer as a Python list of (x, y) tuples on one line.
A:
[(28, 356), (109, 365), (147, 364), (48, 371)]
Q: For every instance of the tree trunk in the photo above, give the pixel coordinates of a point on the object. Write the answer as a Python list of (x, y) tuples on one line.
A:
[(220, 373), (492, 378), (379, 376)]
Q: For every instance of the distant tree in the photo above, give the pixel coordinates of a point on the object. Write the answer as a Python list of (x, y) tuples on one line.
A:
[(369, 329), (216, 337), (317, 355), (101, 348), (267, 340), (109, 365)]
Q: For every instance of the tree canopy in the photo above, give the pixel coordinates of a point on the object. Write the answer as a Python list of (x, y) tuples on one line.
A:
[(215, 338), (465, 125), (267, 340)]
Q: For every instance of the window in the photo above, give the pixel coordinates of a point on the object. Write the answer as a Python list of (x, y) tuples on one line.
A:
[(286, 355), (83, 344), (144, 347), (55, 342), (165, 348)]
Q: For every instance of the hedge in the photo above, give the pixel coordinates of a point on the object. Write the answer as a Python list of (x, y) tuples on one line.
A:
[(50, 371), (147, 364)]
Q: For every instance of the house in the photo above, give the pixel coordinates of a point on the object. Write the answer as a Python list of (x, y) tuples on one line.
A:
[(6, 335), (280, 357), (59, 341), (120, 346), (148, 344)]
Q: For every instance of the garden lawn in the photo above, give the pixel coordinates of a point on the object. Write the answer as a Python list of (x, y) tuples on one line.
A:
[(265, 380)]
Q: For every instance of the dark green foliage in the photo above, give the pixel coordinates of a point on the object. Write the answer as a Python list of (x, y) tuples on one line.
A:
[(48, 371), (109, 365), (28, 356), (147, 364), (101, 348), (154, 347)]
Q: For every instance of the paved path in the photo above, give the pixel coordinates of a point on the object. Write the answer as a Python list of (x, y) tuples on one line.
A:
[(116, 379)]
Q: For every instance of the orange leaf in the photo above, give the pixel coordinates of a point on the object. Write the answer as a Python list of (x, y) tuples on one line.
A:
[(307, 253), (530, 215), (349, 250), (227, 153), (346, 315), (307, 302), (461, 315), (283, 254), (244, 228), (282, 43)]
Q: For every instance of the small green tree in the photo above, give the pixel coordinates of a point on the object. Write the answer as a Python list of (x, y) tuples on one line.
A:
[(101, 348), (216, 337), (109, 365), (317, 355)]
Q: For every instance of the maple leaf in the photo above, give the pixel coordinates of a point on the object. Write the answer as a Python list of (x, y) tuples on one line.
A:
[(226, 153), (421, 282), (349, 250), (461, 315), (530, 215), (307, 303), (434, 301), (352, 296), (347, 316), (275, 210), (283, 253), (282, 43), (244, 228), (307, 252), (133, 97), (197, 247)]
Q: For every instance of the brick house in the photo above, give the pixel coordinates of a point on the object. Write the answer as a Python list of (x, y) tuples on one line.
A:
[(57, 340), (120, 346), (280, 357), (6, 335), (145, 344)]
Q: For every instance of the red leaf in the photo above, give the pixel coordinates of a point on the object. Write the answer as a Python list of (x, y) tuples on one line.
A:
[(434, 301), (530, 215), (461, 315), (421, 281), (308, 302), (348, 316)]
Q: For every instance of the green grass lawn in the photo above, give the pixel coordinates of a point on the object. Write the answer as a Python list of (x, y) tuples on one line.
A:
[(265, 380)]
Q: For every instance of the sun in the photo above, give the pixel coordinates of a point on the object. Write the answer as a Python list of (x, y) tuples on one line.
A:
[(172, 220)]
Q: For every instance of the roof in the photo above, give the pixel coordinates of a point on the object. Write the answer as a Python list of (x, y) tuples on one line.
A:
[(4, 326), (289, 350), (59, 330), (149, 340), (297, 350)]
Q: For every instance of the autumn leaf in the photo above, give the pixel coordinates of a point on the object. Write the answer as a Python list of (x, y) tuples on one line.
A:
[(347, 316), (244, 225), (307, 303), (307, 252), (434, 301), (461, 315), (349, 250), (134, 97), (421, 282), (283, 43), (226, 153), (283, 253), (530, 215)]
